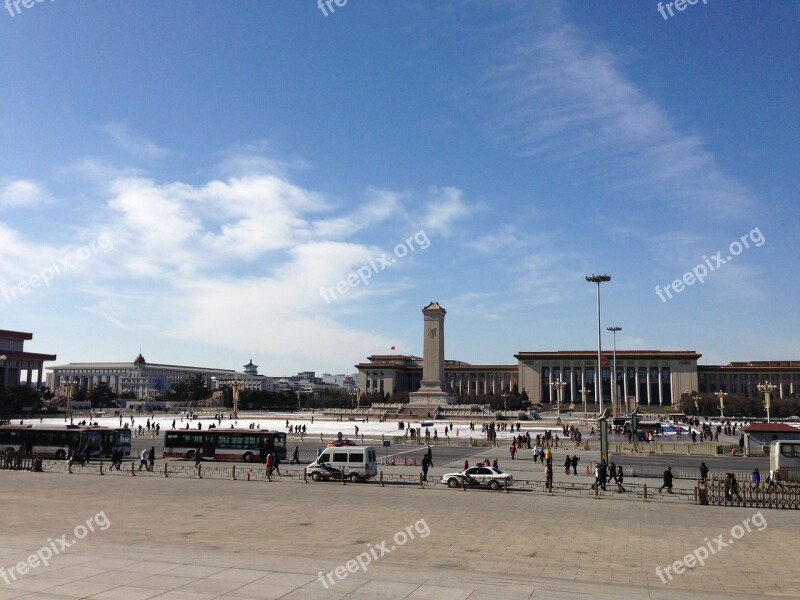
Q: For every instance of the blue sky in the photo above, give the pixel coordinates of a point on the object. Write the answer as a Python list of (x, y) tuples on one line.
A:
[(191, 179)]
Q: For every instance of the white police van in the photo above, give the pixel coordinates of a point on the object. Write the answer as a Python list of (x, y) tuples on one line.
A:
[(357, 463)]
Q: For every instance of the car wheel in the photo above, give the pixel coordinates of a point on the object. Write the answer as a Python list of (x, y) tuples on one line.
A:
[(61, 455), (316, 477), (190, 455), (354, 478), (452, 482), (248, 457), (494, 484)]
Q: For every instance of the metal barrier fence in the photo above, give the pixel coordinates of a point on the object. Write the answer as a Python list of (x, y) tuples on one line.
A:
[(775, 495), (19, 461)]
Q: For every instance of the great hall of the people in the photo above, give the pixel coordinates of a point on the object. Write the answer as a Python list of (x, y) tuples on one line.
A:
[(646, 377)]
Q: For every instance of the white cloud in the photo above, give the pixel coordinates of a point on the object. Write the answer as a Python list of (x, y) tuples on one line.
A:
[(444, 207), (22, 193)]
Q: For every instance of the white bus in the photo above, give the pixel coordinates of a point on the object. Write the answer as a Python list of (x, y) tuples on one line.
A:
[(784, 457)]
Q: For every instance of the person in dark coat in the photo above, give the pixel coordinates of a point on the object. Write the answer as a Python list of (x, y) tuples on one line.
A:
[(667, 481), (425, 466), (574, 462)]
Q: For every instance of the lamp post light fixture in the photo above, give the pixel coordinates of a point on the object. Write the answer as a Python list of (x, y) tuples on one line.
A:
[(696, 397), (504, 396), (617, 410), (558, 386), (236, 385), (721, 397), (598, 279), (584, 392), (767, 388)]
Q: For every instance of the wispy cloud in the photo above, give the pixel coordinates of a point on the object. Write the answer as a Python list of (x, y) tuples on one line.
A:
[(563, 97), (446, 205), (130, 142)]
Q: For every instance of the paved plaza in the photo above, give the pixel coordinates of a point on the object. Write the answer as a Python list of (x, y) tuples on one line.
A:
[(184, 538)]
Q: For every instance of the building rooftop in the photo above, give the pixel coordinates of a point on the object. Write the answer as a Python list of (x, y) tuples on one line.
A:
[(770, 428)]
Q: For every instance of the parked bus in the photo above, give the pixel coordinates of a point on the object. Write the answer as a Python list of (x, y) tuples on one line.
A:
[(224, 444), (58, 442), (784, 457)]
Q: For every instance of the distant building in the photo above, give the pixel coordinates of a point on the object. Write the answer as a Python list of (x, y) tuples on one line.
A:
[(142, 379), (744, 377), (249, 380), (346, 382), (14, 361)]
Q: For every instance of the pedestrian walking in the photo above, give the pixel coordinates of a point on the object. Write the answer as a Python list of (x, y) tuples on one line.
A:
[(513, 450), (574, 462), (276, 462), (703, 473), (425, 466), (296, 455), (756, 477), (548, 476), (535, 452), (143, 459), (429, 454), (567, 464), (620, 477), (667, 481), (151, 458)]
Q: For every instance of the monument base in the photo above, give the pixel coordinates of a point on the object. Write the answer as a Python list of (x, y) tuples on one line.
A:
[(431, 399)]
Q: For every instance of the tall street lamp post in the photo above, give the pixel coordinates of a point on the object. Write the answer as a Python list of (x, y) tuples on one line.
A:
[(617, 410), (766, 388), (721, 397), (584, 392), (598, 279)]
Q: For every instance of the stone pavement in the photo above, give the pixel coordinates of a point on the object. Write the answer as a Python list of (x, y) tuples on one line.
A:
[(181, 538)]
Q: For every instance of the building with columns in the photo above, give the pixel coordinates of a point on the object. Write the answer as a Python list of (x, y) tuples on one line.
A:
[(393, 373), (644, 377), (15, 362), (744, 377)]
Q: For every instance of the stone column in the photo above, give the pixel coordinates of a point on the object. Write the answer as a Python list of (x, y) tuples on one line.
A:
[(649, 388), (660, 389)]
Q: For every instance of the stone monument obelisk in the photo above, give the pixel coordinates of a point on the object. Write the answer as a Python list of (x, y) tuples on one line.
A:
[(432, 388)]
